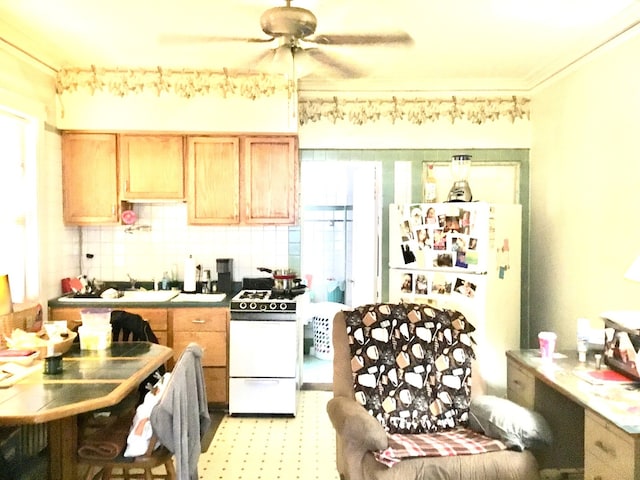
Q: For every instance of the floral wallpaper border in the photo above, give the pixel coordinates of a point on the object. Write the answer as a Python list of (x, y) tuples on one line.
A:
[(191, 83), (413, 110)]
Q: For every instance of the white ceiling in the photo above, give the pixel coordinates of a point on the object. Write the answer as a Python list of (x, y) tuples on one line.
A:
[(486, 45)]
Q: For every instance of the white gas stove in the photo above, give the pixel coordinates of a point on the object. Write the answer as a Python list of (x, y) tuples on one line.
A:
[(265, 352)]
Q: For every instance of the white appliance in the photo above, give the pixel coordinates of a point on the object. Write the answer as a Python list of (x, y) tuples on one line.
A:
[(265, 352), (463, 256)]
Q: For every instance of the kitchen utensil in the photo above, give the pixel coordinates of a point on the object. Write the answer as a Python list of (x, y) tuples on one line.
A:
[(288, 292), (129, 217), (283, 279)]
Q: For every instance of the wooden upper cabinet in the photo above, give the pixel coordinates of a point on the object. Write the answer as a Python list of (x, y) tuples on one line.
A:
[(269, 180), (89, 179), (213, 172), (151, 167)]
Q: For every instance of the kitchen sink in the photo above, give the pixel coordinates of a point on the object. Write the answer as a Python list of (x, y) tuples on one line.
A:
[(128, 296), (199, 297)]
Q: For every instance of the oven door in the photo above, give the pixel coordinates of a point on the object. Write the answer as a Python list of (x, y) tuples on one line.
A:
[(263, 349)]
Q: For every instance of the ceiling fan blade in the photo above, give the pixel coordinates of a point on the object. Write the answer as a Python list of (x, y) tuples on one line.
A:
[(342, 67), (179, 39), (396, 38)]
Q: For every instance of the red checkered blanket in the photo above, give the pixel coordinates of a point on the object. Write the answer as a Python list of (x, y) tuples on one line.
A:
[(457, 441)]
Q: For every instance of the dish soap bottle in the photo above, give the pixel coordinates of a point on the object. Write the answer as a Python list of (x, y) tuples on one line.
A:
[(165, 281)]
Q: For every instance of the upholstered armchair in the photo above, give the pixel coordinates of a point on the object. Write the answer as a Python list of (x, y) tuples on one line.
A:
[(404, 369)]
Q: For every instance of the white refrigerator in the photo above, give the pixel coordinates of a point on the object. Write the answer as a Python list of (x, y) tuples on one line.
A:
[(465, 257)]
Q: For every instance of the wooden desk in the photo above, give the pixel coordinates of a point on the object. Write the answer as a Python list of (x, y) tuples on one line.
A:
[(89, 381), (595, 426)]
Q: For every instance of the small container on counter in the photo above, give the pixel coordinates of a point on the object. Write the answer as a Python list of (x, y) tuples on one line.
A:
[(53, 364)]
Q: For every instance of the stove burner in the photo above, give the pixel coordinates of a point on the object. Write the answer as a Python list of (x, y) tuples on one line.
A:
[(264, 302), (254, 295)]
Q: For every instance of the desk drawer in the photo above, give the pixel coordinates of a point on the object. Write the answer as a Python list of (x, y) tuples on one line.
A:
[(520, 385), (609, 452)]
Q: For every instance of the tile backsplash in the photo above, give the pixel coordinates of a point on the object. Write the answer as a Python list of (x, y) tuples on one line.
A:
[(161, 240)]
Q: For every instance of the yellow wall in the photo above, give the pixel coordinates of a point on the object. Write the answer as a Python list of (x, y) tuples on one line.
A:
[(585, 182), (168, 112), (585, 171)]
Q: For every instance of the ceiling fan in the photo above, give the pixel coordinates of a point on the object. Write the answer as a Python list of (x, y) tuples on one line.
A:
[(293, 30)]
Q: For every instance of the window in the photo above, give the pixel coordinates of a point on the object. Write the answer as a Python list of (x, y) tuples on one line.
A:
[(18, 255)]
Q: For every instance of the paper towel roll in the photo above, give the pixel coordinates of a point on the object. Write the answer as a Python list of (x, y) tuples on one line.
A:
[(189, 275)]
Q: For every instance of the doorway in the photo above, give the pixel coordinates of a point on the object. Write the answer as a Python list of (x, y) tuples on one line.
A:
[(340, 243), (340, 231)]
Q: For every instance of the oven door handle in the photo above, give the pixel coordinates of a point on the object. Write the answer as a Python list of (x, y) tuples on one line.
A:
[(262, 381)]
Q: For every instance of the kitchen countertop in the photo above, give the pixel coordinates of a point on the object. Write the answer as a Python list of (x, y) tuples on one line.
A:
[(119, 305)]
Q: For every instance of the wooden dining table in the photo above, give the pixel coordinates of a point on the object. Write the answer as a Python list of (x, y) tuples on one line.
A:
[(90, 380)]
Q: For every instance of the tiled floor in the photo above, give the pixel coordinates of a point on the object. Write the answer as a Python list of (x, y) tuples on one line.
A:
[(274, 447)]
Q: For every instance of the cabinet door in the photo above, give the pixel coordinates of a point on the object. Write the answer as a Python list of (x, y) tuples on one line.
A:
[(205, 326), (157, 318), (151, 167), (89, 179), (269, 179), (213, 166)]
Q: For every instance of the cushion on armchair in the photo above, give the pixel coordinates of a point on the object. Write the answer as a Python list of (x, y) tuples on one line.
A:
[(518, 427), (411, 365)]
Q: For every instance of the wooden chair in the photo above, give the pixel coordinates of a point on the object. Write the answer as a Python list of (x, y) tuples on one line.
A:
[(102, 448), (177, 410), (133, 468)]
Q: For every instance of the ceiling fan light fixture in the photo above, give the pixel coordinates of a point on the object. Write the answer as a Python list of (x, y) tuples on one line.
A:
[(282, 61), (302, 62)]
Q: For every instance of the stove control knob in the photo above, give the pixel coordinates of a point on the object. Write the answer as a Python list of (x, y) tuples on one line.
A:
[(273, 306), (243, 305), (283, 306), (252, 306), (263, 307)]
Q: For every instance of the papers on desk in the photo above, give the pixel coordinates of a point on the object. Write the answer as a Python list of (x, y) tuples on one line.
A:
[(11, 373), (602, 377)]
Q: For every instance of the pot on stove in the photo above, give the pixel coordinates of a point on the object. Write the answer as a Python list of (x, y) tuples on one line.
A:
[(283, 279)]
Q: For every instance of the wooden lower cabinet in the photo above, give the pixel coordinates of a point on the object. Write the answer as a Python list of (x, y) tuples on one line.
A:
[(157, 318), (208, 327), (177, 327)]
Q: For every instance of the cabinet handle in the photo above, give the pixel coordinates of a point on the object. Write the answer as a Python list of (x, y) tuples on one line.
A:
[(604, 448), (198, 321), (597, 477)]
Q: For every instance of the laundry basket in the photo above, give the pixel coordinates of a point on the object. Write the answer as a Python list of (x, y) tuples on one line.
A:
[(322, 320)]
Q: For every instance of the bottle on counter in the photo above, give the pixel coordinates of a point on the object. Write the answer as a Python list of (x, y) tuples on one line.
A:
[(165, 281), (429, 188), (206, 281), (584, 330), (189, 275)]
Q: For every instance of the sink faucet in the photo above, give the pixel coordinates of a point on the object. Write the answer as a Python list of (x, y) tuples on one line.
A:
[(132, 281)]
